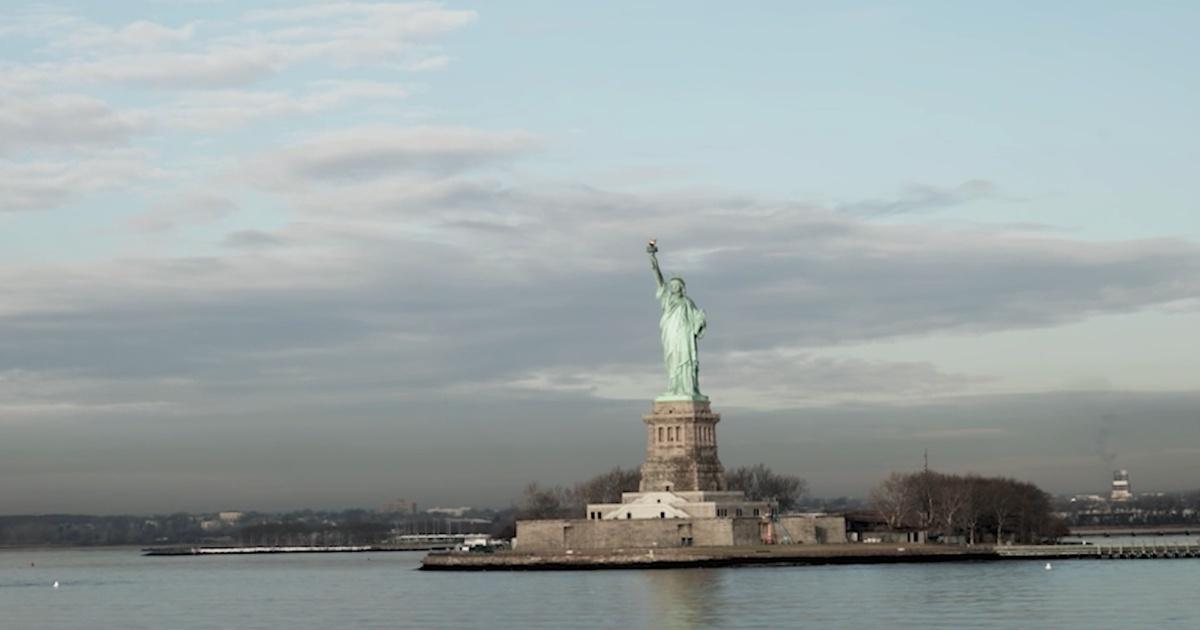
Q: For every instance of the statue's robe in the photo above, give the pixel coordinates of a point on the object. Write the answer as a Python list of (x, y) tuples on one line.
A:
[(682, 322)]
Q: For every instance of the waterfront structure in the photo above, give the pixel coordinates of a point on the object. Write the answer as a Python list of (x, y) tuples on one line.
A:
[(682, 499), (213, 525), (1120, 486)]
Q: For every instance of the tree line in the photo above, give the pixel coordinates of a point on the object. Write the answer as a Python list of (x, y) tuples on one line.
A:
[(1177, 508), (759, 482), (301, 534), (87, 530), (305, 527), (968, 508)]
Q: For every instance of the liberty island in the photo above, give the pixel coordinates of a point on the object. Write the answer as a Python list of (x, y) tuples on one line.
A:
[(682, 499), (684, 515)]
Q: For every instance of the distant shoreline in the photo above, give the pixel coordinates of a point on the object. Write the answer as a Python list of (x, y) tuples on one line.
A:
[(51, 547), (200, 550)]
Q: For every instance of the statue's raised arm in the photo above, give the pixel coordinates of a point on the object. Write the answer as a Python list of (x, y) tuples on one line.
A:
[(680, 325), (652, 249)]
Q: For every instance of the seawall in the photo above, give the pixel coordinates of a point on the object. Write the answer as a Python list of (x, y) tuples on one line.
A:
[(697, 557), (681, 557)]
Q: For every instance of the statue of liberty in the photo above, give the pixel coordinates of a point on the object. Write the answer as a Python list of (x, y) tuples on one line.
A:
[(681, 324)]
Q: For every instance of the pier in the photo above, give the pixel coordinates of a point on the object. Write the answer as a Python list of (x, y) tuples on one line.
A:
[(1148, 551), (1136, 531), (406, 542)]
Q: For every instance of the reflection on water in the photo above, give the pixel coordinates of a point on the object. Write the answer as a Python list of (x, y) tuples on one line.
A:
[(120, 589), (686, 598)]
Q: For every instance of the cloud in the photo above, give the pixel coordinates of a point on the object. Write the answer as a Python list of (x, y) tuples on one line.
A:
[(195, 208), (261, 44), (967, 433), (374, 152), (435, 62), (796, 274), (778, 378), (220, 67), (47, 183), (924, 198), (402, 20), (495, 284), (63, 121), (60, 144), (252, 239), (220, 109), (139, 35), (38, 396)]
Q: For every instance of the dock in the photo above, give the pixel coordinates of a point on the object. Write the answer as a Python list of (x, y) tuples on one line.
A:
[(1149, 551), (788, 555), (233, 551), (194, 550), (405, 542), (1130, 531)]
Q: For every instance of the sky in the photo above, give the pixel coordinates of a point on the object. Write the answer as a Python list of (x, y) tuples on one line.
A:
[(276, 255)]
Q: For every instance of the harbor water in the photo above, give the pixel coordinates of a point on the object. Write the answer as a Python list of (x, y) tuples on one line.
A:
[(119, 588)]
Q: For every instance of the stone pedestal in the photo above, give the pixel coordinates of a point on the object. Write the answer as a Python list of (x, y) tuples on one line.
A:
[(681, 479), (681, 448)]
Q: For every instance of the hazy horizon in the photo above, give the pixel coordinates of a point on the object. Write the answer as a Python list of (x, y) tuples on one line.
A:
[(264, 256)]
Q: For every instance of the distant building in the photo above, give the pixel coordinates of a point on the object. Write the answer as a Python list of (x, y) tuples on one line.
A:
[(449, 511), (401, 506), (230, 517), (870, 526), (1120, 486)]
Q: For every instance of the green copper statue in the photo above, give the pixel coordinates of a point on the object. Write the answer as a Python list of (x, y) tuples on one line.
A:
[(681, 324)]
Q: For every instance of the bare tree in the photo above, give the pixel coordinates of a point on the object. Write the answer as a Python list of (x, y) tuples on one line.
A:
[(894, 499), (1002, 503), (760, 483), (607, 487), (952, 495), (544, 502), (972, 505), (926, 486), (972, 510)]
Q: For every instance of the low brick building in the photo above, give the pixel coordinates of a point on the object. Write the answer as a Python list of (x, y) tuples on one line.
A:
[(587, 535), (809, 529)]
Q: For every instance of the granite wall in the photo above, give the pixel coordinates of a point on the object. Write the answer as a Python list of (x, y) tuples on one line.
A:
[(586, 535)]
